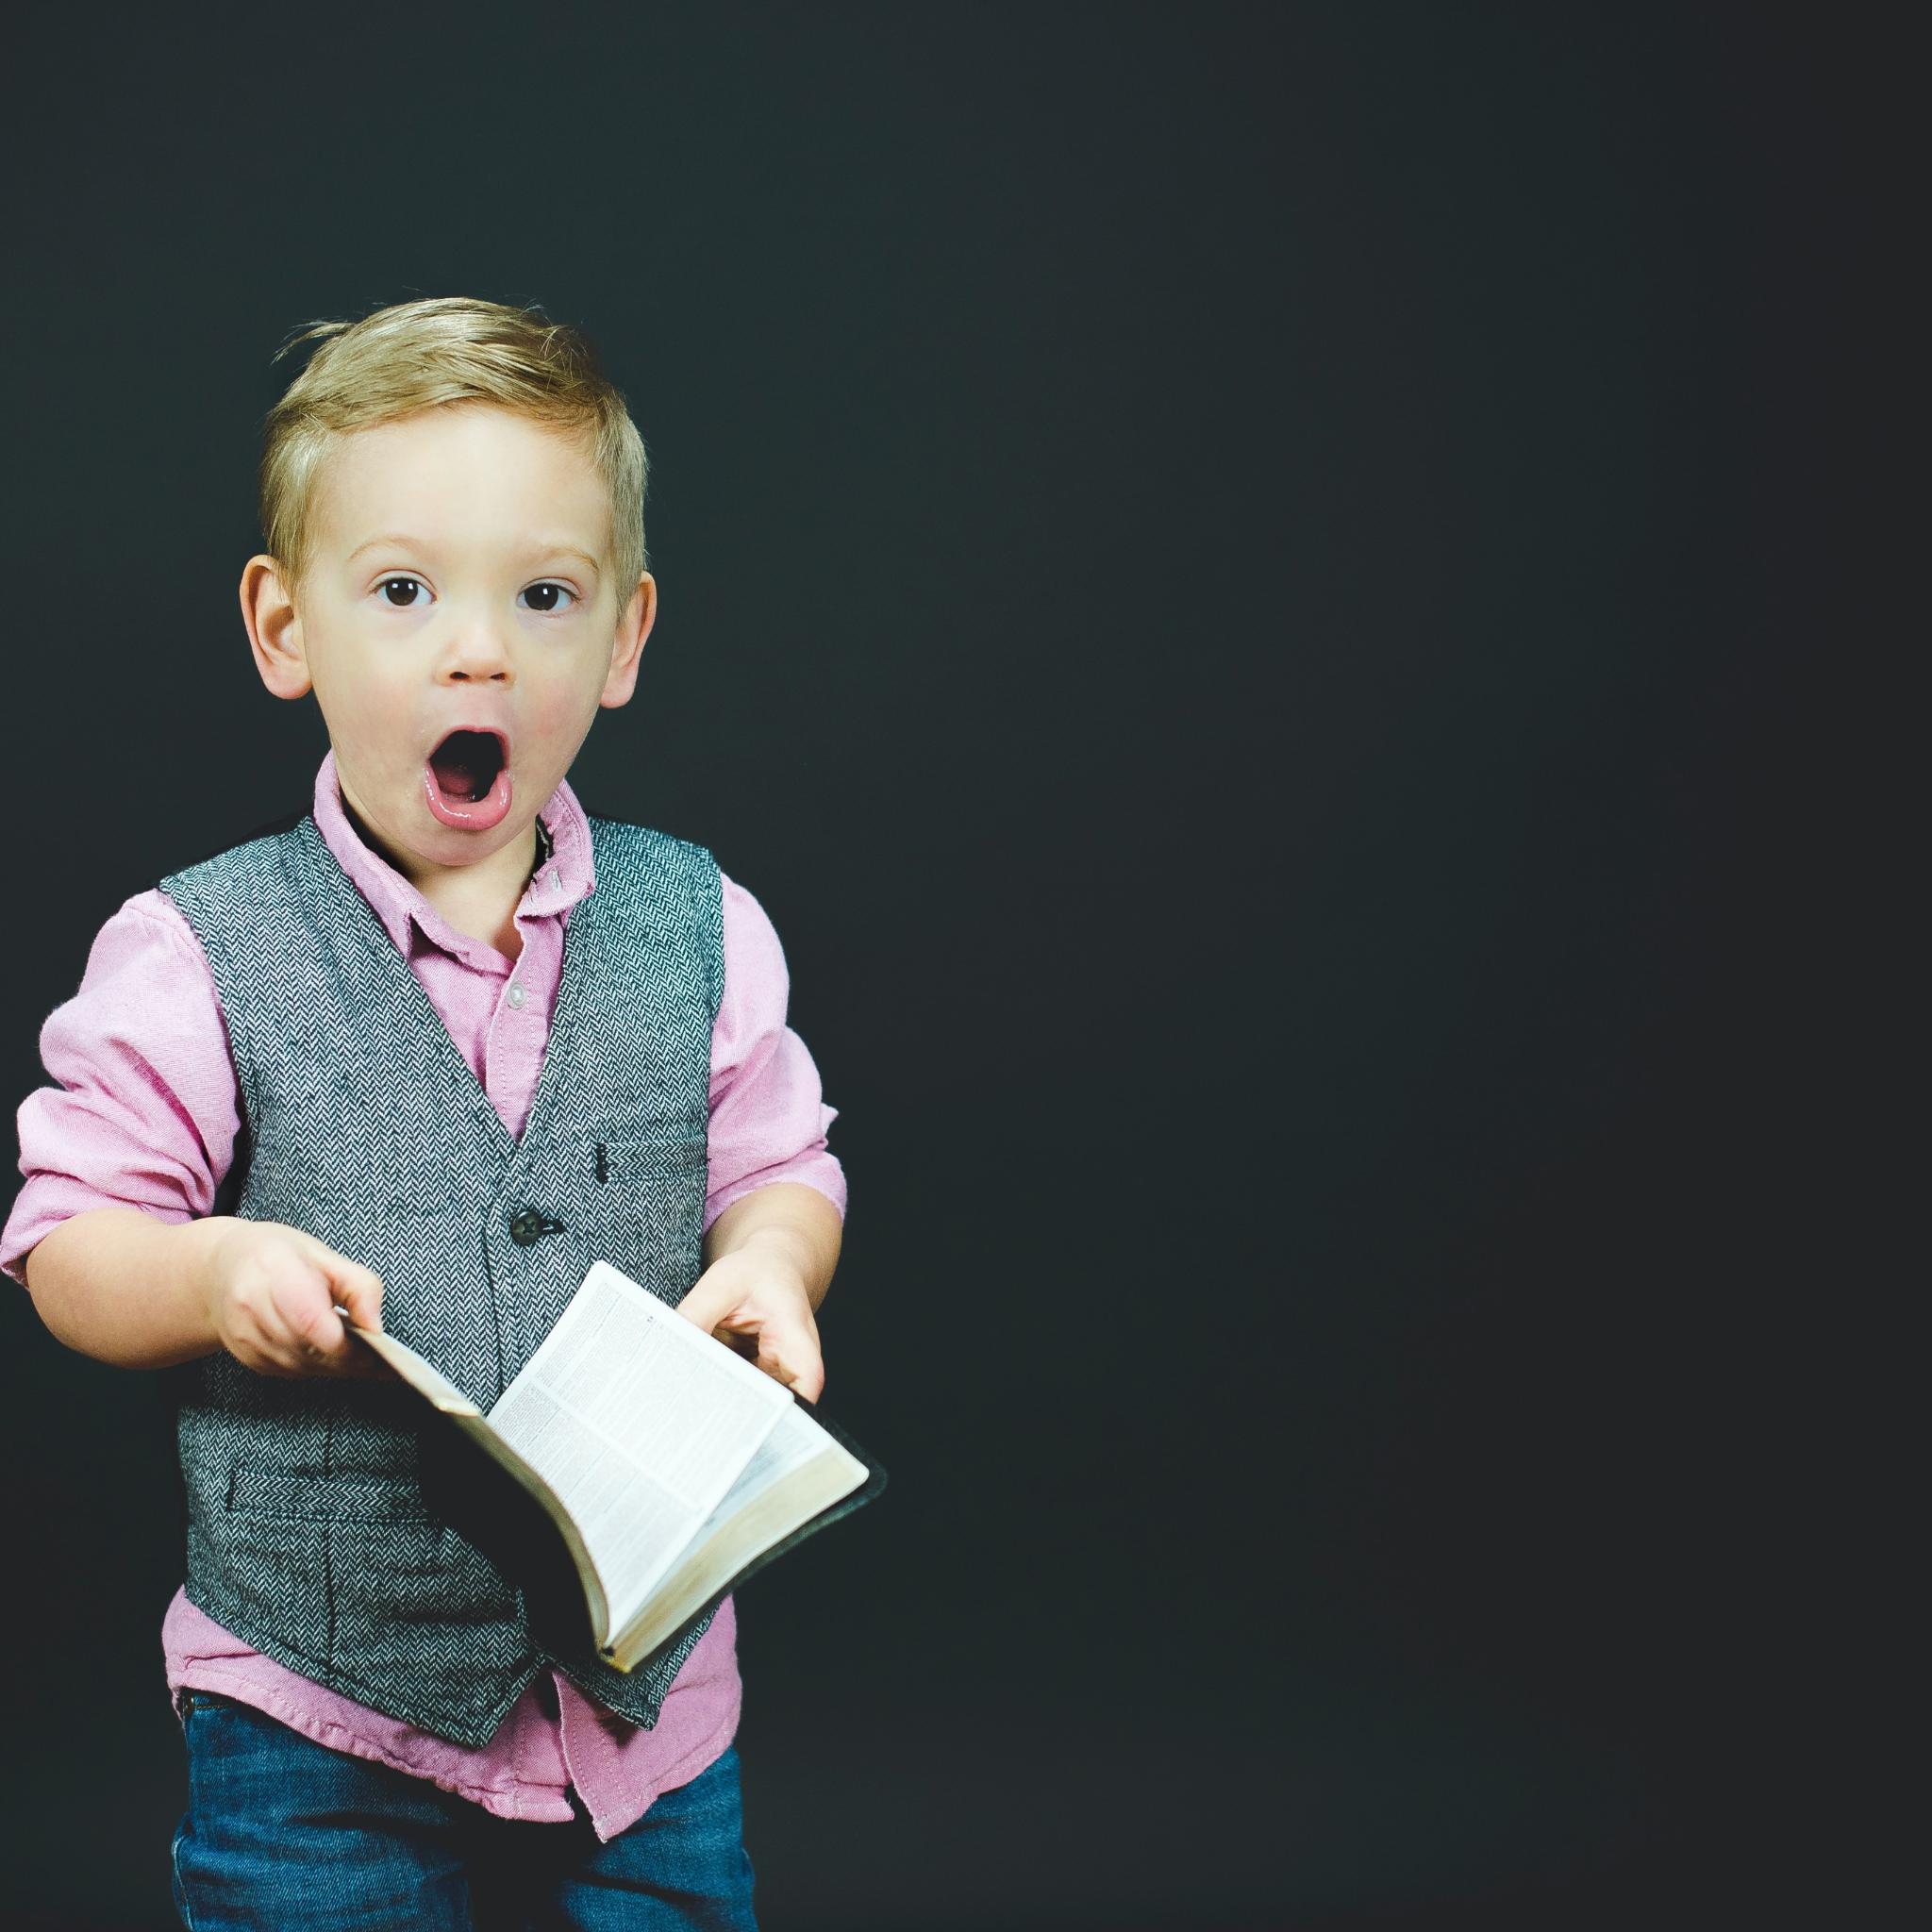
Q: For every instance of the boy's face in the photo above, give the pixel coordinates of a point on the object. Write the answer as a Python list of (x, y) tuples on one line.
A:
[(460, 579)]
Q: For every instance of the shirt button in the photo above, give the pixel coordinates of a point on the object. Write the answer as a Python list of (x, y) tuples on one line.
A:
[(517, 994)]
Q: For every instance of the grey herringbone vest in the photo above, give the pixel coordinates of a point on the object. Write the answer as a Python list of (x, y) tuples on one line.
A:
[(308, 1532)]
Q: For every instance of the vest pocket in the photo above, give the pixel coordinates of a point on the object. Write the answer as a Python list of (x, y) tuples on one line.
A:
[(645, 1217), (351, 1569), (327, 1496), (636, 1158)]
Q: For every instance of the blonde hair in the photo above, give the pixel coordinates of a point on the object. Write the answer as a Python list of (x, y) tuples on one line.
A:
[(427, 354)]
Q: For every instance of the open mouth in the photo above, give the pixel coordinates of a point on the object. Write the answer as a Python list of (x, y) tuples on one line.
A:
[(466, 764), (466, 779)]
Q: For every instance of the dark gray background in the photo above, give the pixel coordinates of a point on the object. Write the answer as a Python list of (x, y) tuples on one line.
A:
[(1257, 592)]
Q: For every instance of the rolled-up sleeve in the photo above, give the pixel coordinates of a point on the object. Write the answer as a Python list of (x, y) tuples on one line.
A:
[(142, 1110), (768, 1112)]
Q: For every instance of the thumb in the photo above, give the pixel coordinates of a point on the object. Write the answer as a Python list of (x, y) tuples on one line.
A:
[(707, 1300), (361, 1296), (792, 1356), (353, 1288)]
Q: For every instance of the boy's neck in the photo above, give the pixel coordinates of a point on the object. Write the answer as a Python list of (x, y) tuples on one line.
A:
[(474, 905)]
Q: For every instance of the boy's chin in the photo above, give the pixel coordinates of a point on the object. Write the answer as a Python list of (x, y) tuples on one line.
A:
[(443, 852)]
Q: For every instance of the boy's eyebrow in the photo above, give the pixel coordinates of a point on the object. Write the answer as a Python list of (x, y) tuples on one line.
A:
[(402, 542)]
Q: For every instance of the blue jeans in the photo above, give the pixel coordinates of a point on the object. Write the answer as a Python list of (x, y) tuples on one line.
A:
[(283, 1832)]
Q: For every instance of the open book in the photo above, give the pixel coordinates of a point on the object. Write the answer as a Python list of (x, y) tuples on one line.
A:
[(672, 1466)]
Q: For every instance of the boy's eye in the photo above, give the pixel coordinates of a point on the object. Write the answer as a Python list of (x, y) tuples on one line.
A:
[(399, 592)]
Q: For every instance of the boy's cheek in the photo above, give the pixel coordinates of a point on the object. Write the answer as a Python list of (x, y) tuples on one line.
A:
[(368, 723), (554, 719)]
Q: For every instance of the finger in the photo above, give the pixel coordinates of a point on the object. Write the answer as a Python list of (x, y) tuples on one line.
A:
[(743, 1333), (354, 1287), (316, 1332), (265, 1339), (358, 1290), (325, 1343), (359, 1358), (262, 1332), (708, 1301), (269, 1349), (790, 1355), (363, 1364), (253, 1347), (323, 1338), (739, 1333)]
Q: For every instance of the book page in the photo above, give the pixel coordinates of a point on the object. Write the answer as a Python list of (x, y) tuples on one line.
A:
[(639, 1421), (798, 1471), (791, 1445), (434, 1386)]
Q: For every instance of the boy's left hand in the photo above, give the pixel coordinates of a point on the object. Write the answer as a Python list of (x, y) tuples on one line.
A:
[(755, 1301)]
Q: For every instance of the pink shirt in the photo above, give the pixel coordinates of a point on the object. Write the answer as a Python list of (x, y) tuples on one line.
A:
[(146, 1113)]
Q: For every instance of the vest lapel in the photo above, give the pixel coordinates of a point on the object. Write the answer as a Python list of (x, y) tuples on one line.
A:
[(406, 991)]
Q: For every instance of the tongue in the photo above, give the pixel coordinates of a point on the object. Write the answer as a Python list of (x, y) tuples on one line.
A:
[(464, 765), (456, 777)]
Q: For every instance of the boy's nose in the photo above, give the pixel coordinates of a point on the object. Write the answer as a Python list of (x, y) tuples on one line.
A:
[(476, 650)]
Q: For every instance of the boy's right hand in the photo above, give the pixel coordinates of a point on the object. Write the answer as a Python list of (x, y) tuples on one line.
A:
[(272, 1293)]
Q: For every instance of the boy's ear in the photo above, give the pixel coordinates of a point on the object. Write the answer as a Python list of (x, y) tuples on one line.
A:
[(633, 628), (274, 631)]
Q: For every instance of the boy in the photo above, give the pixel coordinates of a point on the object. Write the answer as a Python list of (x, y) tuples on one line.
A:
[(424, 1053)]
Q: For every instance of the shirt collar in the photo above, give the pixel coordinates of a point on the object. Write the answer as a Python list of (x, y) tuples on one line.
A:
[(567, 874)]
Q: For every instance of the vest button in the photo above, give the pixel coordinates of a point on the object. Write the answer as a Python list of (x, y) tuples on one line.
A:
[(525, 1229)]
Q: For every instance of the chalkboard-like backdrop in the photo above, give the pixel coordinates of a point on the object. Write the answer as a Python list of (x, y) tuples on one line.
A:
[(1251, 588)]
